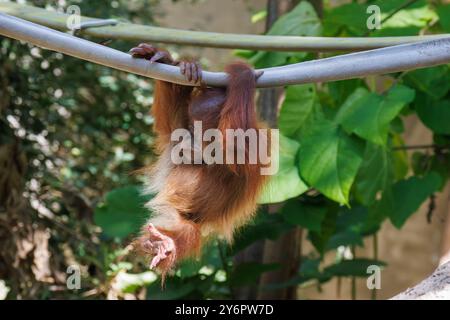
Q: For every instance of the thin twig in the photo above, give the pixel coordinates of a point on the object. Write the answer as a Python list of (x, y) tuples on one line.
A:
[(393, 13), (400, 8), (420, 146)]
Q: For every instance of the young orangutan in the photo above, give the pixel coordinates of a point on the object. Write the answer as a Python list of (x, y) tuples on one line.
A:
[(195, 200)]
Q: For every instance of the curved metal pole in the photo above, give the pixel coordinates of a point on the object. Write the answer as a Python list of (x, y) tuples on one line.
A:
[(143, 33), (379, 61)]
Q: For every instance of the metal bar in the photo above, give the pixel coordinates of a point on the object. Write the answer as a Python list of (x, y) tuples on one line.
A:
[(360, 64), (142, 33)]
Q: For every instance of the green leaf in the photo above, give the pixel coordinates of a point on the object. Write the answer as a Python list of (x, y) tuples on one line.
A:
[(406, 197), (351, 17), (128, 282), (264, 226), (300, 21), (297, 109), (345, 238), (123, 212), (329, 160), (443, 12), (435, 115), (369, 116), (327, 229), (174, 289), (408, 21), (210, 257), (435, 82), (352, 268), (341, 90), (286, 183), (305, 215), (351, 219), (249, 272), (375, 174)]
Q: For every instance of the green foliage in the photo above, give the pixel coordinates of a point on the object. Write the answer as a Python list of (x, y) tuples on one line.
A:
[(304, 215), (286, 183), (407, 195), (352, 268), (300, 21), (299, 108), (122, 213), (443, 12), (435, 115), (350, 19), (329, 159), (375, 174), (369, 115), (350, 148)]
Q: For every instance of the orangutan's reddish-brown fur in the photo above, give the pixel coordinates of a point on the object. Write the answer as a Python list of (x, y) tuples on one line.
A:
[(194, 200)]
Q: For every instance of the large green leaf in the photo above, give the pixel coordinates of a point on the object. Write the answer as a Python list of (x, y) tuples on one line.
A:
[(352, 268), (408, 21), (129, 282), (435, 115), (339, 91), (122, 213), (434, 82), (286, 183), (344, 238), (174, 289), (308, 216), (443, 12), (350, 17), (406, 197), (369, 115), (297, 109), (249, 272), (351, 219), (264, 226), (320, 239), (375, 174), (300, 21), (329, 160)]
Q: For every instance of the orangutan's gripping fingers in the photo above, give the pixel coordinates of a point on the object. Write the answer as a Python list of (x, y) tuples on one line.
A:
[(138, 52), (148, 48), (188, 73), (258, 74), (159, 55), (151, 53), (194, 72), (199, 72), (182, 67)]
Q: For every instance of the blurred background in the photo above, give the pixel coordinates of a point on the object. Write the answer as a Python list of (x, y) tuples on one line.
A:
[(72, 133)]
